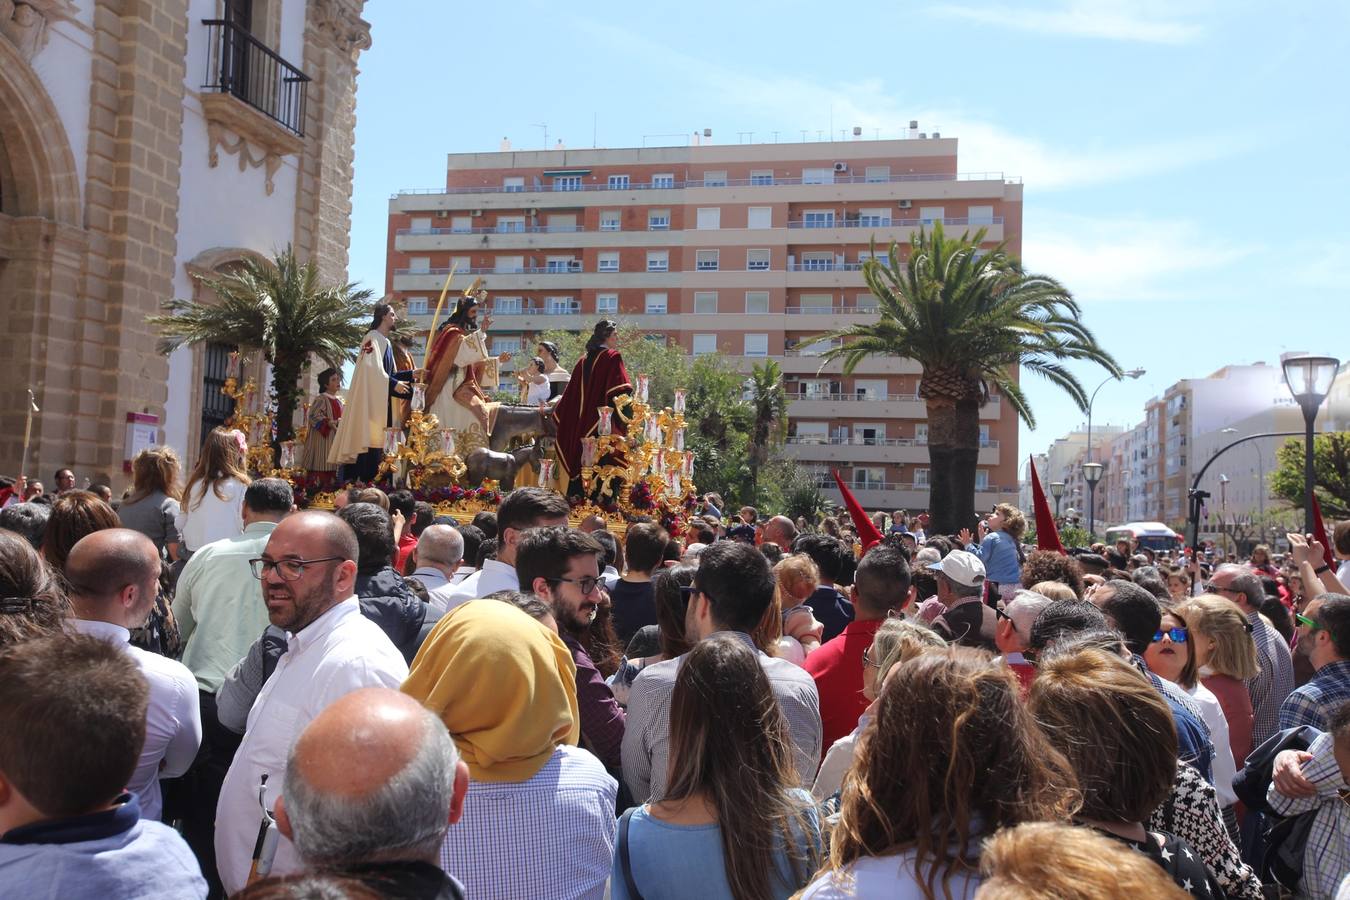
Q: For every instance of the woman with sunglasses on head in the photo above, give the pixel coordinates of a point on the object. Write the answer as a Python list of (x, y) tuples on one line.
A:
[(1172, 656)]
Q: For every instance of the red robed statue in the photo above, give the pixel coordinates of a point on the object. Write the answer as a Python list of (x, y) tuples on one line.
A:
[(597, 379)]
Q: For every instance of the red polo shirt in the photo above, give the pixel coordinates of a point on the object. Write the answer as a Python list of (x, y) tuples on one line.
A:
[(405, 548), (837, 667)]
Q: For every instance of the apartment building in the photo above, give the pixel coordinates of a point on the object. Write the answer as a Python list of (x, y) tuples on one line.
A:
[(750, 251)]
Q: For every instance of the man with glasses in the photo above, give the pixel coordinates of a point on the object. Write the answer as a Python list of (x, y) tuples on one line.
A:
[(308, 575), (1324, 637), (1273, 683), (1012, 634), (561, 566)]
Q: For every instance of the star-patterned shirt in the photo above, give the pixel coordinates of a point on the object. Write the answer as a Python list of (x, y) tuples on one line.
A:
[(1182, 863)]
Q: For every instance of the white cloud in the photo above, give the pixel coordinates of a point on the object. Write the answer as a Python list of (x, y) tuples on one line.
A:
[(1126, 259), (1118, 20)]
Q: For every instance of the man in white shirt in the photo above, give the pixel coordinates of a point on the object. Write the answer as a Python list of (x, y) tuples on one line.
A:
[(114, 578), (308, 574), (440, 549), (523, 508)]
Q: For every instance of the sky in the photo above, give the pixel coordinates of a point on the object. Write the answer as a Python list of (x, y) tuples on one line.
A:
[(1184, 162)]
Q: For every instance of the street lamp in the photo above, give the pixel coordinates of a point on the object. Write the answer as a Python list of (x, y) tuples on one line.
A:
[(1057, 491), (1309, 379), (1092, 473), (1132, 373)]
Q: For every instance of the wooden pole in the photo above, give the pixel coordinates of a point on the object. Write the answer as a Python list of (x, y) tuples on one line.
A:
[(431, 335), (28, 432)]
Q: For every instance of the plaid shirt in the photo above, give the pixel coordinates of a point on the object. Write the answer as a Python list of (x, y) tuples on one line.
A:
[(1326, 860), (1273, 683), (1314, 703), (549, 836)]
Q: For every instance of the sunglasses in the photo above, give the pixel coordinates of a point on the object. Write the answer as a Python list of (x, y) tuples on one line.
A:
[(1312, 624), (867, 659), (998, 611), (1176, 635)]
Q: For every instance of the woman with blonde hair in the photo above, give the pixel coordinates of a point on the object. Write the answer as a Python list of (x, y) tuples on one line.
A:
[(1225, 659), (213, 500), (1000, 548), (950, 756), (153, 504), (1049, 861)]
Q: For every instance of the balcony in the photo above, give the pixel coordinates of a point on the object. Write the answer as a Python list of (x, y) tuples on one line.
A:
[(900, 495), (498, 229), (874, 222), (241, 67), (837, 450)]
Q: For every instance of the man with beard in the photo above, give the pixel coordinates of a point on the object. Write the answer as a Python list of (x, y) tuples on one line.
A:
[(308, 572), (561, 566), (459, 367)]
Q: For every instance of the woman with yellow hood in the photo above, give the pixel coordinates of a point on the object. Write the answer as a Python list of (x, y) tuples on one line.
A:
[(539, 816)]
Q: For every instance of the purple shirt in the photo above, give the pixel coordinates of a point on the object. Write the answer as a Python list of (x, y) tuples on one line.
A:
[(602, 719)]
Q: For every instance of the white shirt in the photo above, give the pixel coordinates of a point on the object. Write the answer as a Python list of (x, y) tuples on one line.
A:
[(340, 652), (431, 577), (461, 573), (173, 722), (213, 519), (892, 876), (493, 577), (1224, 766)]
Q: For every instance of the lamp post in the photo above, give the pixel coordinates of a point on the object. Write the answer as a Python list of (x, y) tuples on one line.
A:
[(1132, 373), (1092, 473), (1057, 491), (1309, 379), (1223, 510), (1260, 477)]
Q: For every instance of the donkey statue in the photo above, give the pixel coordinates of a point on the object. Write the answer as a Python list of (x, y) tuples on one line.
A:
[(521, 422), (483, 463)]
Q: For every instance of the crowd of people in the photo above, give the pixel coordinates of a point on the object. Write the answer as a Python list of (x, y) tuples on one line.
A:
[(207, 692)]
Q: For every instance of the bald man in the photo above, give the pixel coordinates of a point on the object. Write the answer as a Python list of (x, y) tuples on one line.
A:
[(372, 786), (114, 579), (779, 530), (308, 574), (440, 550)]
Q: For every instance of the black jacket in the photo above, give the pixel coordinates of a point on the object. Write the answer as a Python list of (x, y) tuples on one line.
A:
[(387, 601)]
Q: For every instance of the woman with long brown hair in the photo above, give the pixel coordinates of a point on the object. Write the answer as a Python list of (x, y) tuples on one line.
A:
[(214, 497), (951, 756), (74, 514), (153, 504), (733, 823)]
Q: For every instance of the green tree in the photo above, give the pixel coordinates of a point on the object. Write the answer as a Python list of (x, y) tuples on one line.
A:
[(280, 308), (783, 486), (768, 403), (970, 318), (1331, 473)]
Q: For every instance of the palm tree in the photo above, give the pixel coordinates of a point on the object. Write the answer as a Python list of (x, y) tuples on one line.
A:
[(277, 307), (768, 404), (970, 318)]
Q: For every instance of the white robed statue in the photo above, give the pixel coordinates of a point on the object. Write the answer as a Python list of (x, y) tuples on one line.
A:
[(359, 443), (458, 368)]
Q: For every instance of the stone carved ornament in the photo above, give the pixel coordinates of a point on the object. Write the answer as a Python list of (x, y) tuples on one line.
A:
[(219, 136), (340, 21), (24, 22)]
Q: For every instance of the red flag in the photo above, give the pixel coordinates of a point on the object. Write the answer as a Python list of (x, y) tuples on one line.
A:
[(1320, 532), (1047, 535), (866, 528)]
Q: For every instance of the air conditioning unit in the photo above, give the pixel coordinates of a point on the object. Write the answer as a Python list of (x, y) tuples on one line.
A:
[(841, 167), (442, 213), (477, 213), (906, 204)]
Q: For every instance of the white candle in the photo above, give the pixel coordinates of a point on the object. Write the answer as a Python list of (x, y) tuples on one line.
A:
[(448, 441), (606, 423), (644, 381), (680, 394)]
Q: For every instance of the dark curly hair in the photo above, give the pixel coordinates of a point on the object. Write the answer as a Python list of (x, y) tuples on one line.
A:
[(1048, 565)]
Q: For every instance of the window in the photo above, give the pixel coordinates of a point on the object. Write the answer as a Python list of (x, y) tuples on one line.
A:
[(757, 260), (421, 226), (875, 217), (981, 479), (760, 217), (510, 224), (816, 303), (875, 174), (869, 478), (562, 223), (561, 264), (658, 220), (869, 435), (567, 182), (816, 389), (816, 348), (930, 214), (706, 260), (505, 345), (921, 435), (761, 176), (714, 179), (417, 306), (984, 435), (508, 264), (756, 302), (870, 388), (812, 432), (921, 477), (756, 345), (817, 261), (980, 215), (709, 217), (460, 263), (655, 305), (513, 185), (618, 182), (419, 264), (506, 306), (658, 260), (606, 303), (705, 303), (609, 220), (817, 176), (818, 218), (866, 303), (608, 261), (665, 180), (560, 306), (705, 343)]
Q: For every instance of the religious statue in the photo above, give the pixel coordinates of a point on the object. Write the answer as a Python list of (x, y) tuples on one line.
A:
[(375, 382), (597, 379), (459, 366), (321, 418), (557, 376)]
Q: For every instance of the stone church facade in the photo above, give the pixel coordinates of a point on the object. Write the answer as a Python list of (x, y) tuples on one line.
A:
[(142, 141)]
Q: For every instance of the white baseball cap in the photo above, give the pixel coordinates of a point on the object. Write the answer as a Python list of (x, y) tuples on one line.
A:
[(962, 567)]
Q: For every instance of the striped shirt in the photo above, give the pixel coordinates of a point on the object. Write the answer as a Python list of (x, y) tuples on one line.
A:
[(1273, 683)]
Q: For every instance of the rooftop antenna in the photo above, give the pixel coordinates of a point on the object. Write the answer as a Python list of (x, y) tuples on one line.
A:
[(820, 135), (741, 135), (595, 129), (775, 137), (545, 127), (803, 135)]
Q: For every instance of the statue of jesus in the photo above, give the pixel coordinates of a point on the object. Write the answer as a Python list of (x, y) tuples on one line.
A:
[(459, 367)]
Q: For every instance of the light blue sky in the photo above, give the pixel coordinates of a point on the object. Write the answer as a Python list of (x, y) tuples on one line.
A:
[(1185, 161)]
